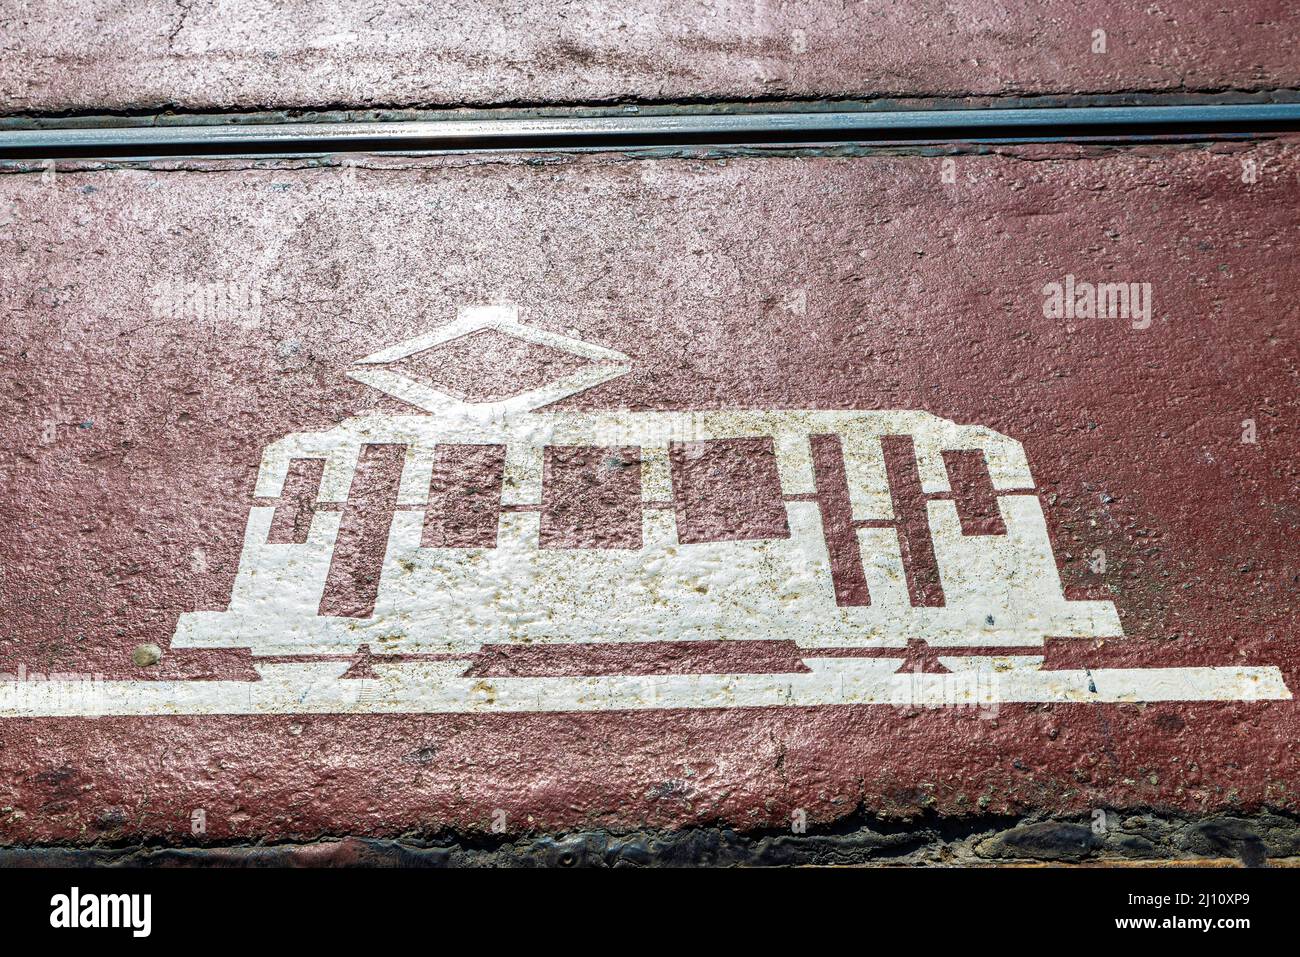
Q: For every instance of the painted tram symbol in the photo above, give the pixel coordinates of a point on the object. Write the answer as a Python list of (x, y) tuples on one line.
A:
[(432, 539), (502, 524)]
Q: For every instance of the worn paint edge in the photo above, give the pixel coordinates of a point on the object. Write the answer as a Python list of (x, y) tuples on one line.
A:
[(164, 113), (1123, 838)]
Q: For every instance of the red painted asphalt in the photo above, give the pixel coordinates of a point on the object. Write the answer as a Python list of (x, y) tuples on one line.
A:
[(133, 438), (99, 55)]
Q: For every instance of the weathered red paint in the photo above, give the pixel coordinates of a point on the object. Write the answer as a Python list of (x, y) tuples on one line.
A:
[(114, 54), (131, 442)]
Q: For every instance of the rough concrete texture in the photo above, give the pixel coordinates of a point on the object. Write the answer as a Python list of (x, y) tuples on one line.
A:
[(100, 55), (133, 435)]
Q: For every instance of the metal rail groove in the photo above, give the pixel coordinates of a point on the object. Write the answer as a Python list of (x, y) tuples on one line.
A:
[(626, 131)]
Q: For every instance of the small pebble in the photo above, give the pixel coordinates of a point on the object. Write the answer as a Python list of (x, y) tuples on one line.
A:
[(146, 655)]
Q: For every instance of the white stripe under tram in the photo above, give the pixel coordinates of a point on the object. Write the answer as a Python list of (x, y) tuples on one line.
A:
[(406, 688)]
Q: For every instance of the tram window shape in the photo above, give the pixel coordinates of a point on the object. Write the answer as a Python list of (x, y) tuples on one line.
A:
[(727, 489)]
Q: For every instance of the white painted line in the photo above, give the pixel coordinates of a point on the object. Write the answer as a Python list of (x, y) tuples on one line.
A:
[(436, 688)]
